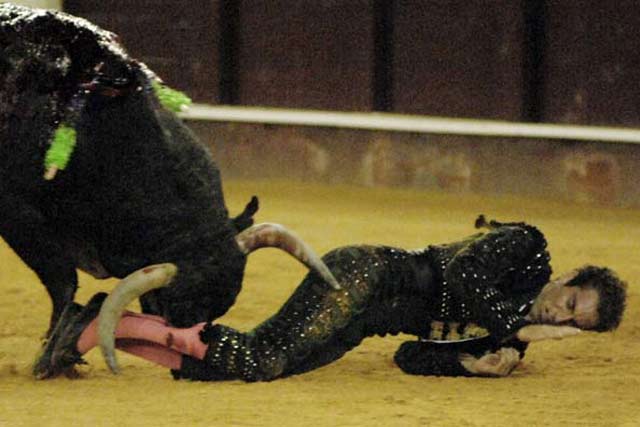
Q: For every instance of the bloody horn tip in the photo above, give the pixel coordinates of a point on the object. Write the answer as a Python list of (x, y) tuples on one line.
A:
[(129, 288)]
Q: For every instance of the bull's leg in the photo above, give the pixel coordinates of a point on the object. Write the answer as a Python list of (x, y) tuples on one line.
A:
[(23, 227)]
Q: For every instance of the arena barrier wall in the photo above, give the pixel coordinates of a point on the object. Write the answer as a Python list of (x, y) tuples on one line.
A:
[(586, 164)]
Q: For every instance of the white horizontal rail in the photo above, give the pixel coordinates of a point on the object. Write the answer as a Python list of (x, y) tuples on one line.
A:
[(409, 123)]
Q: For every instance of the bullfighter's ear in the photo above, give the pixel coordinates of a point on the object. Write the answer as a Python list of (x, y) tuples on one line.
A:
[(245, 219)]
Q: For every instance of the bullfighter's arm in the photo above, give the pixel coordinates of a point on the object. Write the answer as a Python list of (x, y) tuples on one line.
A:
[(24, 229), (451, 359), (475, 273)]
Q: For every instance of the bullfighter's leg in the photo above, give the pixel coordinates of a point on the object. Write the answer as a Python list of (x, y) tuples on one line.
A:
[(143, 335), (156, 353), (316, 326), (78, 329), (217, 352), (26, 232), (150, 329)]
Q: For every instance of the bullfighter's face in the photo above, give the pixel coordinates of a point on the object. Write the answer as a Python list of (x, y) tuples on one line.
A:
[(559, 303)]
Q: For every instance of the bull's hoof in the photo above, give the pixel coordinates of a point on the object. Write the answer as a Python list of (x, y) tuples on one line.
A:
[(59, 355), (43, 368)]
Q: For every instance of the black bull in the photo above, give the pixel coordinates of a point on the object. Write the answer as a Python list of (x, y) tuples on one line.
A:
[(139, 188)]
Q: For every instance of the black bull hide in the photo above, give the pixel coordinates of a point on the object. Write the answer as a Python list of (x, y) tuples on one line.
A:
[(139, 188)]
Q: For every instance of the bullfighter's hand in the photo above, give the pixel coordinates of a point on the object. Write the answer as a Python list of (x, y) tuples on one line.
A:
[(498, 364)]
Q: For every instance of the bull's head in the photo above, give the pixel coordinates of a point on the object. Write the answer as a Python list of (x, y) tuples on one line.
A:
[(50, 63), (161, 275), (49, 55)]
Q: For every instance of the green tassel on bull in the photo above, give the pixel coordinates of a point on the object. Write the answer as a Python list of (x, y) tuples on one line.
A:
[(171, 99), (64, 137), (60, 151)]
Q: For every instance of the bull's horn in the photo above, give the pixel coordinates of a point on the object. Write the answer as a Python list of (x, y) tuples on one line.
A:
[(129, 288), (268, 235)]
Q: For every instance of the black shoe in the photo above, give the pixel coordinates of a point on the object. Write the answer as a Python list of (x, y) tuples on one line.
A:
[(60, 355)]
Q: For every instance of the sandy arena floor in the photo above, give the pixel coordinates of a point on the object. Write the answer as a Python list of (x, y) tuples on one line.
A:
[(590, 380)]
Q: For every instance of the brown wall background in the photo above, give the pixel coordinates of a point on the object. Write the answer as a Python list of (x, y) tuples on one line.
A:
[(574, 62), (177, 39), (584, 172), (458, 58), (305, 54), (535, 60), (592, 66)]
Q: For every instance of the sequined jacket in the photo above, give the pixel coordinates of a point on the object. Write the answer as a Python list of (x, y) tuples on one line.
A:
[(469, 296)]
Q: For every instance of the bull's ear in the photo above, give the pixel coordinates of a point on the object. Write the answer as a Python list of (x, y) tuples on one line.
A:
[(245, 219)]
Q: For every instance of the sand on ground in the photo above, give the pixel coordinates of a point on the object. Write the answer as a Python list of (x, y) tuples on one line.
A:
[(589, 380)]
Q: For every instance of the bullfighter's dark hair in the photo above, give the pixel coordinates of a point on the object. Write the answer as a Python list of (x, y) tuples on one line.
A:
[(611, 290)]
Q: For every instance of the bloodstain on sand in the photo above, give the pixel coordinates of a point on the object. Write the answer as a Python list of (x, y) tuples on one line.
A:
[(589, 380)]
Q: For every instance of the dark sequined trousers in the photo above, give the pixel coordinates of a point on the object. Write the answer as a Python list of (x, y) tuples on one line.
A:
[(316, 326)]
